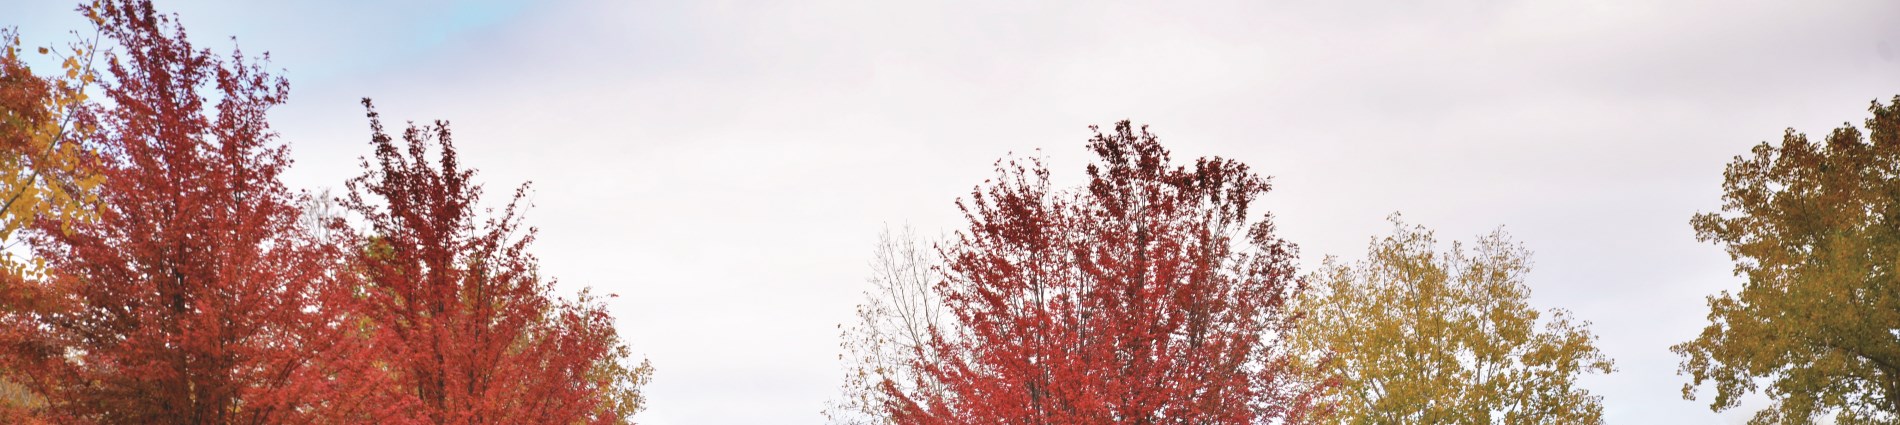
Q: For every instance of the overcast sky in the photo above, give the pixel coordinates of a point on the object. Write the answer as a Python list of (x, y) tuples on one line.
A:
[(725, 167)]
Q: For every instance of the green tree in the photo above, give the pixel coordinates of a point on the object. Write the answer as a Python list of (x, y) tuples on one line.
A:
[(1412, 334), (1815, 230)]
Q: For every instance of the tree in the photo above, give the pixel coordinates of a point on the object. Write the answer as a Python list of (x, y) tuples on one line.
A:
[(46, 169), (1814, 229), (894, 322), (455, 308), (1411, 334), (192, 298), (1147, 296), (46, 163)]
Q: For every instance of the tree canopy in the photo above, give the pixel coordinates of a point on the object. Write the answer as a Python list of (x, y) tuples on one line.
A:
[(187, 299), (183, 282), (1154, 294), (1814, 230), (1416, 334)]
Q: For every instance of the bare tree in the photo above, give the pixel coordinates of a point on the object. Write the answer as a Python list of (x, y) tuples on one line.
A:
[(894, 324), (319, 212)]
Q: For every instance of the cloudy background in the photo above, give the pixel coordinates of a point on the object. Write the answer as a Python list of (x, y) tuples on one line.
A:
[(725, 167)]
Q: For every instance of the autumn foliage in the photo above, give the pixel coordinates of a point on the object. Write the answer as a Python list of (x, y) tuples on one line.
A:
[(156, 269), (48, 170), (47, 161), (190, 297), (1415, 333), (457, 309), (1148, 296), (1813, 229), (198, 288)]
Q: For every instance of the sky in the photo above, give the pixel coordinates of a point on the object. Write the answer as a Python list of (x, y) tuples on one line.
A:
[(725, 167)]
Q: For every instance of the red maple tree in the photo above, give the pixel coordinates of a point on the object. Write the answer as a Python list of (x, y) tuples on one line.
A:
[(1147, 297), (194, 298), (455, 307), (203, 294)]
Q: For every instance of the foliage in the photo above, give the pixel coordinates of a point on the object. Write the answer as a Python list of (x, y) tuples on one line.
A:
[(1814, 229), (1415, 335), (46, 164), (46, 168), (1128, 301), (183, 283), (893, 324), (454, 307), (189, 299)]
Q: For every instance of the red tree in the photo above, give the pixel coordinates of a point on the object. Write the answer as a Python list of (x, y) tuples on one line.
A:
[(1128, 302), (456, 308), (194, 297)]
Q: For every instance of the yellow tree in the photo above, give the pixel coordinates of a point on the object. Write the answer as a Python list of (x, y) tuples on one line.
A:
[(1815, 231), (44, 159), (1412, 334)]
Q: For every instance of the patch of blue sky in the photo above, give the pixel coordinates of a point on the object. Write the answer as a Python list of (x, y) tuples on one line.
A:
[(467, 17)]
